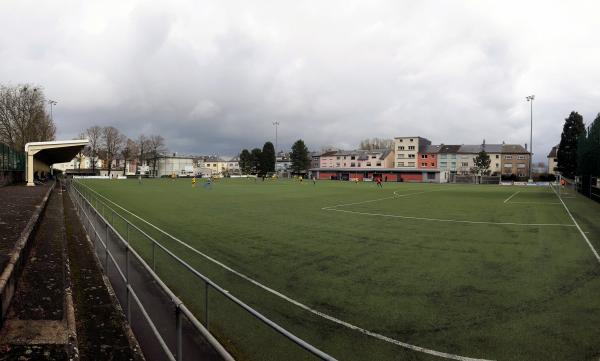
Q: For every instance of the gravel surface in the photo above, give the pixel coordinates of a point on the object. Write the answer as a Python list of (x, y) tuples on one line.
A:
[(17, 204)]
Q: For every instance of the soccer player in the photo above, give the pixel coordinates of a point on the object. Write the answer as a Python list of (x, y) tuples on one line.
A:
[(194, 182), (379, 184)]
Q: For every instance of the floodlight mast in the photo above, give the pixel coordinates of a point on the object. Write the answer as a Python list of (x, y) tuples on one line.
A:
[(52, 103), (276, 124), (530, 99)]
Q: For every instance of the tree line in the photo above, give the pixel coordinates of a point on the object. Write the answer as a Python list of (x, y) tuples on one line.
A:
[(23, 116), (262, 162), (109, 144)]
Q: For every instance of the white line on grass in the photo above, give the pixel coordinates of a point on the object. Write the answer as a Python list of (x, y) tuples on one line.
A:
[(396, 195), (534, 202), (579, 228), (301, 305), (514, 194), (452, 220)]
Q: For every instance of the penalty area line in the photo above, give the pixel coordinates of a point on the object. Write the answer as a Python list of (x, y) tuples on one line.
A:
[(453, 220), (579, 228), (514, 194), (299, 304)]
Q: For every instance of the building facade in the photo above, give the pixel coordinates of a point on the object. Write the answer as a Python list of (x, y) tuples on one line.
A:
[(407, 151), (553, 160)]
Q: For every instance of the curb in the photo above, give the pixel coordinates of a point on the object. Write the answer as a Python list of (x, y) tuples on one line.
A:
[(14, 266)]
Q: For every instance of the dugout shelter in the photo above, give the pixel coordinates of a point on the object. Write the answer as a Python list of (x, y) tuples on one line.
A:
[(42, 155)]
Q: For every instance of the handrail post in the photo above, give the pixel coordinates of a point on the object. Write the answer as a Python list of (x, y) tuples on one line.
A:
[(153, 256), (206, 286), (106, 250), (179, 346)]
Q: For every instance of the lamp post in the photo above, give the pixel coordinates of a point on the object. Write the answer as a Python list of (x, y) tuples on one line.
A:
[(52, 103), (276, 124), (530, 99)]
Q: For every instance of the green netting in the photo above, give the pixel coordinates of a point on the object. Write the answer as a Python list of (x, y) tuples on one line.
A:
[(10, 159)]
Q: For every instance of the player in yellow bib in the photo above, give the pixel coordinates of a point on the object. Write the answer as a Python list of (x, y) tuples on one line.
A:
[(194, 182)]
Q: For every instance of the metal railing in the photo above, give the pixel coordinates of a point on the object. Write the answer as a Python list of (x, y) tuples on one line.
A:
[(10, 159), (91, 205)]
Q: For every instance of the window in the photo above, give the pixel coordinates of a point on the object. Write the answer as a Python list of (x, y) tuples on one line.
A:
[(338, 158), (353, 164), (353, 157), (443, 164), (344, 157), (368, 164), (520, 157), (411, 139), (507, 165), (465, 164), (401, 140), (411, 147), (508, 157), (521, 165), (400, 156), (344, 164), (433, 164), (359, 164), (411, 155), (411, 164), (401, 147), (379, 164), (521, 174), (400, 164), (497, 156), (373, 156), (497, 165), (423, 156), (423, 164), (443, 156), (337, 164)]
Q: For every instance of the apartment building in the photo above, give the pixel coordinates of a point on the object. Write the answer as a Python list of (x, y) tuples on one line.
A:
[(466, 155), (363, 159), (407, 151), (515, 160), (428, 157)]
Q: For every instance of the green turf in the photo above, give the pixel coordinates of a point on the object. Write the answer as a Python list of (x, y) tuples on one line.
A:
[(496, 291)]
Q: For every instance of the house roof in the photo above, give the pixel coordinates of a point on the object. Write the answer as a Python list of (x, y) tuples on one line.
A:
[(474, 149), (360, 154), (514, 149), (429, 149), (553, 152), (448, 148)]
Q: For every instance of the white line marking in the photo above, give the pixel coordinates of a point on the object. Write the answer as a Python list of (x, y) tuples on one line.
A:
[(514, 194), (534, 202), (452, 220), (579, 228), (396, 195), (301, 305)]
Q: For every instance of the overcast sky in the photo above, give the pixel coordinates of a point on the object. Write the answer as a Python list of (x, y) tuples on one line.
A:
[(212, 76)]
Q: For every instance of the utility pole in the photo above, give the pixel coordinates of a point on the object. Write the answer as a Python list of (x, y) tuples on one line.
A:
[(530, 99), (52, 103)]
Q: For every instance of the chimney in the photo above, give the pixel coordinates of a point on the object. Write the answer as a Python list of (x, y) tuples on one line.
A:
[(525, 146)]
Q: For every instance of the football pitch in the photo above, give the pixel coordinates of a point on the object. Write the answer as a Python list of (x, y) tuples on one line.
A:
[(403, 272)]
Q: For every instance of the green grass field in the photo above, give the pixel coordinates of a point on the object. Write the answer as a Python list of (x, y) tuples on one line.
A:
[(492, 272)]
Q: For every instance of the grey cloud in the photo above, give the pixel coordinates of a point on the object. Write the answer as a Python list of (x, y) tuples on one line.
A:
[(211, 77)]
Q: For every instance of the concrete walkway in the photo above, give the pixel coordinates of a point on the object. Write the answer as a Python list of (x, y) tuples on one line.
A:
[(56, 315)]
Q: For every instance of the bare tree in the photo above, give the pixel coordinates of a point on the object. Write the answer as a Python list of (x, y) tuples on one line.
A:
[(128, 152), (376, 143), (94, 135), (23, 116), (143, 145), (156, 145), (81, 153), (112, 142)]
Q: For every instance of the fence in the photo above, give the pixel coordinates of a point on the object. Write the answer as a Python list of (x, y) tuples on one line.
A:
[(133, 261), (10, 159)]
